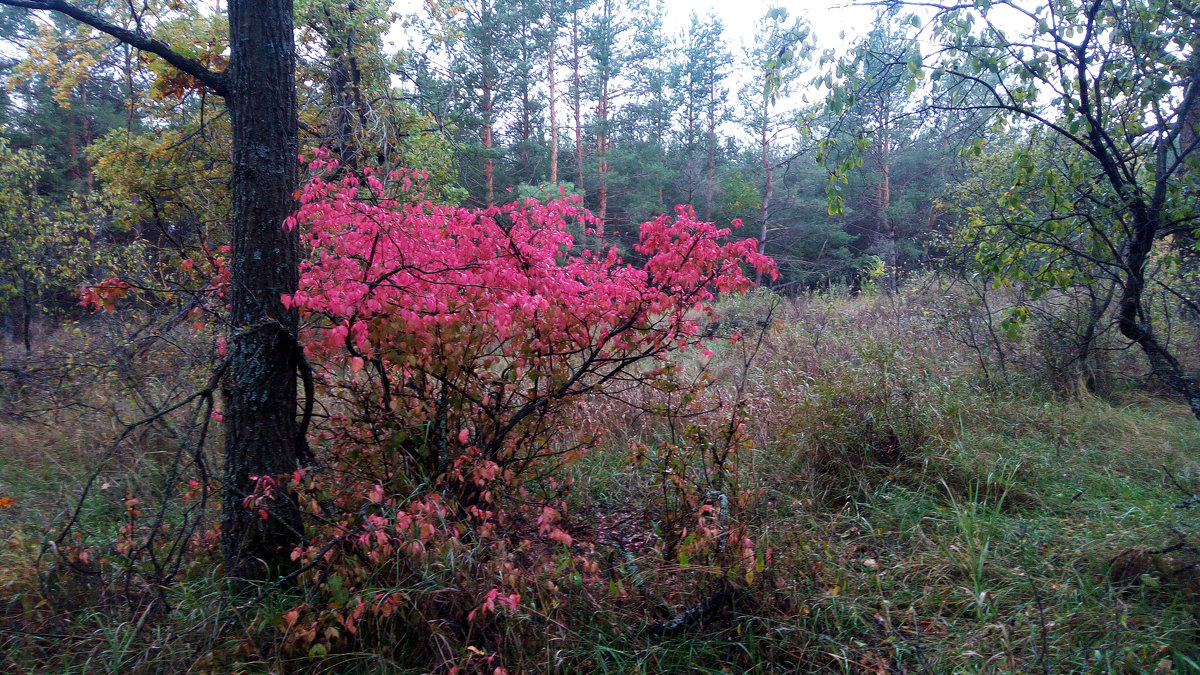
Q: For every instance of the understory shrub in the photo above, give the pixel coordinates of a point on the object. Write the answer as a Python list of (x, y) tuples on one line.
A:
[(453, 351)]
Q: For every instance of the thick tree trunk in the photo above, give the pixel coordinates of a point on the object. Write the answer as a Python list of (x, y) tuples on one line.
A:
[(348, 110), (89, 179), (262, 436), (130, 92), (941, 180), (887, 230), (528, 172), (260, 416), (1084, 361)]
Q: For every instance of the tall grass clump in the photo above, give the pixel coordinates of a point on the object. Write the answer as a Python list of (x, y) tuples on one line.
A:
[(850, 388)]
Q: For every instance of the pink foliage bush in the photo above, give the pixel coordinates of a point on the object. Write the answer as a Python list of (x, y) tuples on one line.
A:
[(452, 348)]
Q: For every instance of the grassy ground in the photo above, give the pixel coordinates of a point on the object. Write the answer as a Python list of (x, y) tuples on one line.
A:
[(920, 522), (907, 517)]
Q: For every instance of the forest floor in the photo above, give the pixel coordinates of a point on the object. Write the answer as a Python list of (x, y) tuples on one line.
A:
[(906, 516)]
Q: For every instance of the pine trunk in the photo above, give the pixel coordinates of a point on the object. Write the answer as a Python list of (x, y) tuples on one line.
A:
[(887, 228), (525, 156), (577, 95), (602, 158), (712, 163), (550, 78), (769, 171), (260, 416)]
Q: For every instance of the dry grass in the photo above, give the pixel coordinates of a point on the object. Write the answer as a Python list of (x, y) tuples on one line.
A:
[(908, 518), (61, 407)]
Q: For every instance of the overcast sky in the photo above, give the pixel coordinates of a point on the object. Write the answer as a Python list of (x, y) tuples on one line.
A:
[(828, 18)]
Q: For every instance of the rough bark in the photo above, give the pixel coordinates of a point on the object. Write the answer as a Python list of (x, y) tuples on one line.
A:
[(262, 436), (489, 166), (261, 429)]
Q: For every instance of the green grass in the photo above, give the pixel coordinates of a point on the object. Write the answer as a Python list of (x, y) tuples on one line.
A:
[(1003, 545), (1011, 532)]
